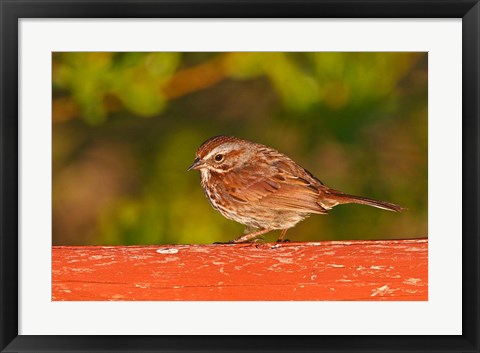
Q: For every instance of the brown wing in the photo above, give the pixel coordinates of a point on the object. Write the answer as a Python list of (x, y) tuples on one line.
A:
[(276, 187)]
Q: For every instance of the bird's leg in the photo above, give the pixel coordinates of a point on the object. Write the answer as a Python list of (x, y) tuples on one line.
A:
[(282, 234), (246, 231), (250, 236)]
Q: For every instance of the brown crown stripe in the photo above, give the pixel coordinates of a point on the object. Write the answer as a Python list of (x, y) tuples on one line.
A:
[(212, 143)]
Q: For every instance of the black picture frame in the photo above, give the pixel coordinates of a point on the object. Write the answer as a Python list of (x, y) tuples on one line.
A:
[(12, 11)]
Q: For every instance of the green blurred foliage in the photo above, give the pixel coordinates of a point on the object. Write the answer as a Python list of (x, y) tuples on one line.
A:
[(134, 79), (127, 125)]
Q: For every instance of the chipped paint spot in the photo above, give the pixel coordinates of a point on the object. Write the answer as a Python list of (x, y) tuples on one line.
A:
[(167, 251), (413, 281), (142, 285), (385, 290)]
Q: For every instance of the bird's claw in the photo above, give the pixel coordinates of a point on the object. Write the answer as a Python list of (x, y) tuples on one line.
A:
[(260, 239)]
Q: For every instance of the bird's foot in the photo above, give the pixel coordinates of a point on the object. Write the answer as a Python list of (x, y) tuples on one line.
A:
[(282, 235), (260, 239), (224, 242)]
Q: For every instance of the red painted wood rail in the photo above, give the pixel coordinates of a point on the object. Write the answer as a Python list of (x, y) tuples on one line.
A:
[(335, 270)]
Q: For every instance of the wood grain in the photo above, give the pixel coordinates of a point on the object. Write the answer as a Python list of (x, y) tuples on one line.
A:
[(339, 270)]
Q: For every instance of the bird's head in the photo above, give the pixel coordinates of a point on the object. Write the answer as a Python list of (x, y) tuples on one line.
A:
[(221, 154)]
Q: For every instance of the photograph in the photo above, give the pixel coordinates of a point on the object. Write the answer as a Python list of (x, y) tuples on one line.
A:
[(231, 176), (239, 176)]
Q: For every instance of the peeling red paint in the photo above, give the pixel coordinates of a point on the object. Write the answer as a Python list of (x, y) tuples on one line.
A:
[(348, 270)]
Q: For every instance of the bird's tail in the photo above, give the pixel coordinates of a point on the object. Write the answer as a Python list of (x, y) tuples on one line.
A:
[(342, 198)]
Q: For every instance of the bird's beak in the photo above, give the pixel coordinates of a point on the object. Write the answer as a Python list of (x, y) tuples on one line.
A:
[(197, 164)]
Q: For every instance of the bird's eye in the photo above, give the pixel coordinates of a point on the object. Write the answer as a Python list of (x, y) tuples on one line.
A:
[(219, 157)]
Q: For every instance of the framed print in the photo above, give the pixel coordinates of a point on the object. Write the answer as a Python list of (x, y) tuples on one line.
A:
[(342, 137)]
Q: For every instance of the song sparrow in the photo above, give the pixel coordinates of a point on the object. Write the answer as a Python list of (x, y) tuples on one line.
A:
[(263, 189)]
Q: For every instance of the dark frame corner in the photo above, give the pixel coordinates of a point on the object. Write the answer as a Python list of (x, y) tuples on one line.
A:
[(11, 11)]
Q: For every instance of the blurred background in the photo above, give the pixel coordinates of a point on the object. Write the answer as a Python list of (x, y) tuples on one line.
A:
[(126, 127)]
